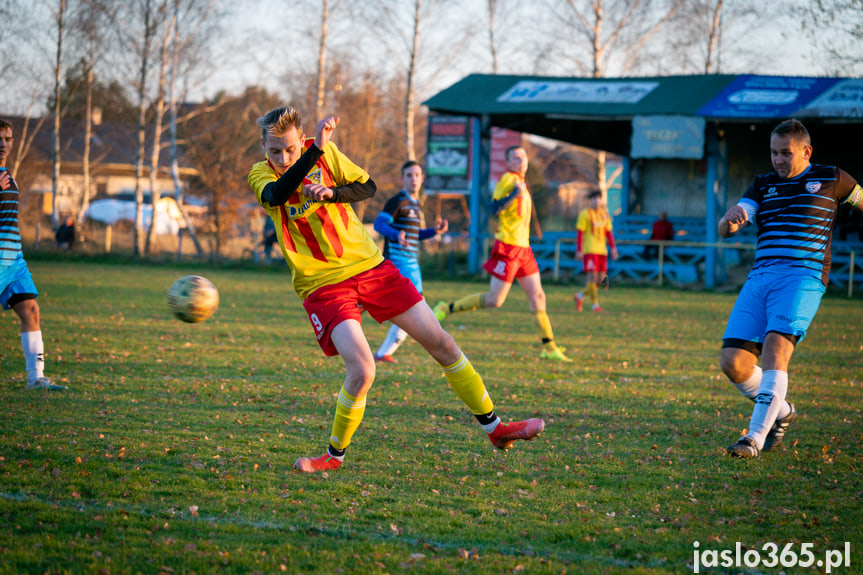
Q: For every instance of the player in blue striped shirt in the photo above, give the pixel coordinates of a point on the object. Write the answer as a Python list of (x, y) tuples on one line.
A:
[(400, 223), (17, 289), (795, 210)]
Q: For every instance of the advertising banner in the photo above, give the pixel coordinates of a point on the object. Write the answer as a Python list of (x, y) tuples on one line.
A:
[(765, 97), (667, 137), (448, 161)]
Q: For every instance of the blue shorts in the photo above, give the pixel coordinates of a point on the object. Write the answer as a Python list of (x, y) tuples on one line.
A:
[(772, 302), (411, 270), (14, 280)]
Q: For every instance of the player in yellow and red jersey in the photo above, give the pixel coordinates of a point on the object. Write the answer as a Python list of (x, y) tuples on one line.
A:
[(306, 186), (593, 231), (511, 258)]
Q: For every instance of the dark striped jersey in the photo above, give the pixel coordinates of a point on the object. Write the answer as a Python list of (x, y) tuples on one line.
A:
[(403, 213), (795, 219), (10, 238)]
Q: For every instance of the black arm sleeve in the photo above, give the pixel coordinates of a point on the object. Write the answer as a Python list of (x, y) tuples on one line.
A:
[(354, 192), (278, 192)]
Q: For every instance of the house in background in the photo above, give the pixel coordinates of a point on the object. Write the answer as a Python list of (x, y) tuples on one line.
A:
[(113, 149)]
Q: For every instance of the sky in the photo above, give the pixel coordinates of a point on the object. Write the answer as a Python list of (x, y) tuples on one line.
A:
[(264, 41), (258, 25)]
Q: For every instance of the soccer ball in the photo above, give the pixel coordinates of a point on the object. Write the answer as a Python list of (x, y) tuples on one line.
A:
[(193, 298)]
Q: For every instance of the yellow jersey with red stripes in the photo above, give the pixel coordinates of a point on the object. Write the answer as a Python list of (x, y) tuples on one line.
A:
[(513, 222), (323, 242), (595, 224)]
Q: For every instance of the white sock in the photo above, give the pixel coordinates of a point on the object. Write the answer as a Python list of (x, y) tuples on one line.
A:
[(489, 427), (34, 354), (395, 337), (769, 402), (339, 457), (749, 388)]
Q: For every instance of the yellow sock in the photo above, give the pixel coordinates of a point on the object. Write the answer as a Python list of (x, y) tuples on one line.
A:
[(468, 386), (592, 293), (349, 415), (545, 330), (469, 302)]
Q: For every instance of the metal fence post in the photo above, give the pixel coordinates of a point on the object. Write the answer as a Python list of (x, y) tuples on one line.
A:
[(661, 259), (557, 259)]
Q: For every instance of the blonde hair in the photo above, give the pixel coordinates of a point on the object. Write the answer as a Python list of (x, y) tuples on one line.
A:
[(279, 120)]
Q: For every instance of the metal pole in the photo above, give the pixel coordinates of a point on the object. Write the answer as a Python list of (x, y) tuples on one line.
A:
[(557, 259), (851, 276), (711, 212), (661, 258), (478, 182)]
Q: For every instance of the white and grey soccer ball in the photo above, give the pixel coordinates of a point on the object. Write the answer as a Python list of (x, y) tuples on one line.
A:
[(193, 299)]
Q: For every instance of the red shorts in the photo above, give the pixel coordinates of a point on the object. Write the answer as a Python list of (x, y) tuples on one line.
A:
[(508, 262), (595, 263), (382, 291)]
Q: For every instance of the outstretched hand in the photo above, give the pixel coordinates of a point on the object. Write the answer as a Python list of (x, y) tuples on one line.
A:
[(324, 130), (441, 226)]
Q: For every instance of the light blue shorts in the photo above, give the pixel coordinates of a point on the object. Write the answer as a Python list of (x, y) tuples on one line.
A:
[(14, 280), (773, 302), (411, 270)]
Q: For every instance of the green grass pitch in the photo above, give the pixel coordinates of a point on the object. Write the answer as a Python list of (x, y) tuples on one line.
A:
[(172, 450)]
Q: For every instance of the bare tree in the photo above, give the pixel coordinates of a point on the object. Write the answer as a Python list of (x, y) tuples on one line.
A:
[(89, 25), (844, 42), (226, 146), (322, 61), (410, 95), (59, 17), (609, 35), (710, 37), (176, 47), (167, 33), (148, 14), (492, 5), (403, 30), (6, 46), (711, 65)]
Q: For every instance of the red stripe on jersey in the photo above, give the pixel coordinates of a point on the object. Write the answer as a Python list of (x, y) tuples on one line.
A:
[(329, 229), (346, 218), (311, 241), (286, 235)]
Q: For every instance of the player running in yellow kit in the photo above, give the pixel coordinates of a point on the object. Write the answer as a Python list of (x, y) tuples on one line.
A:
[(511, 258)]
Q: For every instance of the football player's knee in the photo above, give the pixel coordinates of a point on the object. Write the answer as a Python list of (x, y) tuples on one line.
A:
[(444, 348), (494, 302), (359, 381), (734, 367), (28, 311), (539, 300)]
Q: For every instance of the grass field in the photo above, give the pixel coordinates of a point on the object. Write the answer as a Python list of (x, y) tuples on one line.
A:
[(172, 451)]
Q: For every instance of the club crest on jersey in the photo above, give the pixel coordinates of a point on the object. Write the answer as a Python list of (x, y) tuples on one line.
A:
[(813, 187), (770, 193), (314, 177)]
